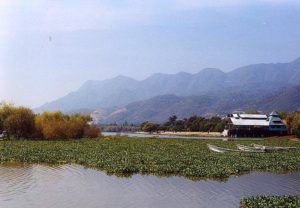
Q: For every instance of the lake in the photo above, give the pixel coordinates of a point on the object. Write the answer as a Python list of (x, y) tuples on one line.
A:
[(165, 136), (145, 135), (30, 186)]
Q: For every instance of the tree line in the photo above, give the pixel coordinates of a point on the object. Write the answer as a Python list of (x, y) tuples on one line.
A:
[(216, 124), (114, 127), (194, 123), (21, 122)]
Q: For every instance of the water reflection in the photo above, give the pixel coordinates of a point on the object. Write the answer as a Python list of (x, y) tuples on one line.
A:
[(74, 186), (15, 181)]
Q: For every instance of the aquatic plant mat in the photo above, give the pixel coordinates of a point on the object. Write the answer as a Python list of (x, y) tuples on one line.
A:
[(125, 156), (271, 202)]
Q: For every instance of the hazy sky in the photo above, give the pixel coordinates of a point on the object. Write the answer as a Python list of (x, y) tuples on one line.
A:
[(49, 48)]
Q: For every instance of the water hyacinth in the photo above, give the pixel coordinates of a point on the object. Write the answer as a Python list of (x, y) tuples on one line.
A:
[(122, 155), (270, 202)]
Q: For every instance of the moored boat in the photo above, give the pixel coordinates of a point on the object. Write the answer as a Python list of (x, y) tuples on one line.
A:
[(220, 149), (244, 148), (271, 149)]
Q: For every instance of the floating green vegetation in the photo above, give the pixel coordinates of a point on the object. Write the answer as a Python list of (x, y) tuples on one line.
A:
[(122, 155), (271, 202)]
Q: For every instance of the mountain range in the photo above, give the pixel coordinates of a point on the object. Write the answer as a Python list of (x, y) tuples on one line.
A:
[(211, 91)]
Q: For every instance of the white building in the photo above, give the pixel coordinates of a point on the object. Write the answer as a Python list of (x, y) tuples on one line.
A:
[(254, 125)]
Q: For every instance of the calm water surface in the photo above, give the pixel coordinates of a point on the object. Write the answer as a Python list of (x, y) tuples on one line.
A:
[(74, 186), (144, 135)]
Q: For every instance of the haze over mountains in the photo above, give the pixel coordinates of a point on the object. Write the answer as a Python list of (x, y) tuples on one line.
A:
[(263, 87)]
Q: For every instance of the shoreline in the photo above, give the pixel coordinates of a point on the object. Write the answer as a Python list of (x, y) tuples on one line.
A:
[(183, 133), (215, 135)]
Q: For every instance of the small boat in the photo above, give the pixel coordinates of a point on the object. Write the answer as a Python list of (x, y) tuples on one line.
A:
[(220, 149), (272, 149), (244, 148)]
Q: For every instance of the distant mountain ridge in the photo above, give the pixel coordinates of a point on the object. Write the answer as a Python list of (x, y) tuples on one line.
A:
[(158, 109), (257, 81)]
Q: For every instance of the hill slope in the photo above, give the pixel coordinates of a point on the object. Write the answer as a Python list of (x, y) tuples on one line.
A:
[(160, 108)]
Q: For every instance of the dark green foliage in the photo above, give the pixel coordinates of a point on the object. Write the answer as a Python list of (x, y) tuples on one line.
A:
[(149, 127), (193, 123), (173, 119), (120, 127), (282, 115), (119, 155), (271, 202)]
